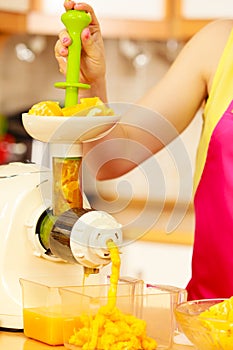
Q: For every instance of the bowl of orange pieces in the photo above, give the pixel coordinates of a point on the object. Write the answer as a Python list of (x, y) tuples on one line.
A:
[(207, 323), (47, 121)]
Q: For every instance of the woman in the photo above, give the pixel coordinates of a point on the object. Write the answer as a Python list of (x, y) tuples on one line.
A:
[(202, 73)]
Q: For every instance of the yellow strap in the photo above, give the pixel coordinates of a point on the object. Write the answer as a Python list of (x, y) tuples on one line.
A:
[(221, 95)]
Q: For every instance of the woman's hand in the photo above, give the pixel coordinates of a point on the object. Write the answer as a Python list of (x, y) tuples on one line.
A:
[(92, 62)]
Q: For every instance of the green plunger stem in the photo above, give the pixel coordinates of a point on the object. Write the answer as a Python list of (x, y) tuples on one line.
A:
[(75, 21)]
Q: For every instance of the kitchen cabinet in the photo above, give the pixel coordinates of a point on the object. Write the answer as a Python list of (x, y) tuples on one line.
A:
[(122, 19), (148, 20), (12, 22), (121, 9), (191, 15), (16, 6), (205, 9), (13, 15)]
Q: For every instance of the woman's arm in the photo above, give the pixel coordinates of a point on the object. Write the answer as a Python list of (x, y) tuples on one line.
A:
[(164, 112), (176, 98)]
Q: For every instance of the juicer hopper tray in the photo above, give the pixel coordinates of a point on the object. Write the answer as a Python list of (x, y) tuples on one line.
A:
[(73, 129)]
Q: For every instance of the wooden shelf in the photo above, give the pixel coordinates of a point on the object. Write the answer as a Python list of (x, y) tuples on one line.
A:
[(184, 29), (38, 23), (43, 24), (172, 26), (180, 29), (12, 23), (135, 29)]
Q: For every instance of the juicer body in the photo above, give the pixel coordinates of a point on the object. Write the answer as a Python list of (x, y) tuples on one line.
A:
[(25, 195)]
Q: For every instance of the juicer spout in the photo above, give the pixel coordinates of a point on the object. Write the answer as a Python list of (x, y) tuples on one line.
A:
[(90, 271)]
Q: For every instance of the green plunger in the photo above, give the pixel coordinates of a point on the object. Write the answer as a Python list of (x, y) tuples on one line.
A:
[(75, 21)]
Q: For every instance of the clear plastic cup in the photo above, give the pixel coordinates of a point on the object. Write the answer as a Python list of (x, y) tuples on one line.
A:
[(42, 314), (43, 318), (154, 304)]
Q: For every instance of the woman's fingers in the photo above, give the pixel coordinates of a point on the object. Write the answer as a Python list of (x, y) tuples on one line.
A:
[(85, 7), (69, 4), (61, 53), (64, 38)]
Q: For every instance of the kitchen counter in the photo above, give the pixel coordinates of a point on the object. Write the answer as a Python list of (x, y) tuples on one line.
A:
[(17, 341)]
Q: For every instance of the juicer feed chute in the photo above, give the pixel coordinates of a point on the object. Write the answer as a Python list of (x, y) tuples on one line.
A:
[(65, 136)]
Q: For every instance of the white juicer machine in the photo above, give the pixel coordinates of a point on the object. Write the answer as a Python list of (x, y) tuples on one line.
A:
[(36, 242)]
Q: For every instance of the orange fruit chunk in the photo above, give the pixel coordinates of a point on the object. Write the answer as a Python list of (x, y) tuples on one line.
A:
[(46, 108), (89, 106), (92, 106)]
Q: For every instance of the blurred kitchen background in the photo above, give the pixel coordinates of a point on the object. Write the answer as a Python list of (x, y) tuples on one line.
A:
[(142, 38)]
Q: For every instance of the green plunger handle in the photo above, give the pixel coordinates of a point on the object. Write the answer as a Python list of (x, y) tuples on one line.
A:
[(75, 21)]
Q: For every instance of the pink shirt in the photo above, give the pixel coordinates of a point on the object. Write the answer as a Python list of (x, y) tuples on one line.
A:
[(212, 264)]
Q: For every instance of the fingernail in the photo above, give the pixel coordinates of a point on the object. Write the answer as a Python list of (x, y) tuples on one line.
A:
[(69, 4), (86, 33), (63, 51), (65, 40)]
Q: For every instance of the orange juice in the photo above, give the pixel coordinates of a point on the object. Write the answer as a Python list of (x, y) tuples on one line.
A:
[(44, 324)]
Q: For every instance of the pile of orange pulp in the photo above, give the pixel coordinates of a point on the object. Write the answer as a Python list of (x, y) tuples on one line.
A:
[(111, 329)]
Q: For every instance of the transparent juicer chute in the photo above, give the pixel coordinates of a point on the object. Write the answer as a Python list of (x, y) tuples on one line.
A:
[(66, 168)]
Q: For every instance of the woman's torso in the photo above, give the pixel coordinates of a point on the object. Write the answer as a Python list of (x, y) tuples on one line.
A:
[(212, 256)]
